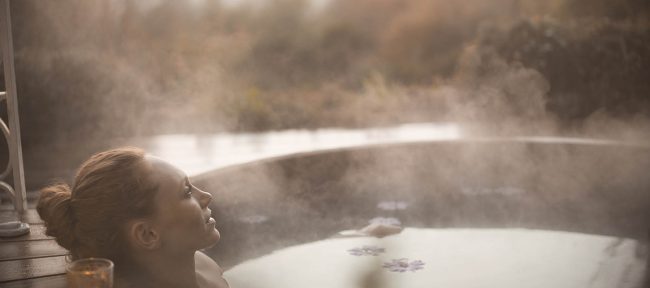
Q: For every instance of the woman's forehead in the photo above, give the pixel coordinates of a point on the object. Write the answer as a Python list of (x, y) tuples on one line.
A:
[(162, 171)]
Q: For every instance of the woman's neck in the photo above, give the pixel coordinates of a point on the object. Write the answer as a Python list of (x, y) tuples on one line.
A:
[(161, 270)]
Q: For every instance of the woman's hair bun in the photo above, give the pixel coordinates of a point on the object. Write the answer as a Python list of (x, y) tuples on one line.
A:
[(54, 208)]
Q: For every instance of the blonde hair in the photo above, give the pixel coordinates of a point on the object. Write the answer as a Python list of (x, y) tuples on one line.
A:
[(89, 219)]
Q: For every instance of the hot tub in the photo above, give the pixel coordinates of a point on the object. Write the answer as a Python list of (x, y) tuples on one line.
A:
[(481, 213)]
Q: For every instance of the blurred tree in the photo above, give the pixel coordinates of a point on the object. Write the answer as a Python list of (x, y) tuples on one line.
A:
[(596, 65), (425, 41), (614, 10), (142, 67)]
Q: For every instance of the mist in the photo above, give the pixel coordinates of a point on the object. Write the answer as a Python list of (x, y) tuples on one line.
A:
[(131, 68), (95, 74)]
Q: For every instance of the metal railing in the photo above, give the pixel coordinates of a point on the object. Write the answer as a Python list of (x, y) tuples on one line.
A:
[(11, 131)]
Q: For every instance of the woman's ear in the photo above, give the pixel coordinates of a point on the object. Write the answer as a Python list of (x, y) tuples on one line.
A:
[(143, 235)]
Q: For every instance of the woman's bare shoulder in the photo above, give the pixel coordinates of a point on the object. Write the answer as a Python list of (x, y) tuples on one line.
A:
[(208, 272)]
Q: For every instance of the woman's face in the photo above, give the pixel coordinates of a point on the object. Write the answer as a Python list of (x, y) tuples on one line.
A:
[(182, 216)]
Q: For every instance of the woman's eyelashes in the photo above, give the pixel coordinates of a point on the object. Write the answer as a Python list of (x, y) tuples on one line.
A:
[(188, 190)]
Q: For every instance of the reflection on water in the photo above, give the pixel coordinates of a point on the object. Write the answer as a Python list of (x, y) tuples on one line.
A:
[(196, 154), (450, 258)]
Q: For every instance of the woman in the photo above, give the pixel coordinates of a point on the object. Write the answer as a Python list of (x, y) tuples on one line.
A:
[(142, 213)]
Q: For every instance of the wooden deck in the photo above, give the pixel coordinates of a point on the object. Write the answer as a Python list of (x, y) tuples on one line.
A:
[(32, 260)]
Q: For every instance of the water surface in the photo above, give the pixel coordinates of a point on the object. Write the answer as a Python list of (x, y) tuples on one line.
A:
[(500, 258)]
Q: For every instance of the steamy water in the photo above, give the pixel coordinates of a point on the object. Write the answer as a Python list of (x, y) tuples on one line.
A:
[(451, 258), (197, 154), (477, 212)]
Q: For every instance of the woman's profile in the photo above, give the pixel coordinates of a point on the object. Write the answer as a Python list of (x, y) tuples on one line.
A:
[(140, 212)]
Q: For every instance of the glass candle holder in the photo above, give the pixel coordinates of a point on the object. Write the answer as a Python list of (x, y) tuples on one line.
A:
[(90, 273)]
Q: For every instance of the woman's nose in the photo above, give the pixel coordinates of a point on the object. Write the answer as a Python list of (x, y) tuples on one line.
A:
[(204, 198)]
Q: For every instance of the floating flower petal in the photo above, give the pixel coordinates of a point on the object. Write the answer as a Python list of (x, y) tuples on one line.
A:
[(402, 265), (366, 250)]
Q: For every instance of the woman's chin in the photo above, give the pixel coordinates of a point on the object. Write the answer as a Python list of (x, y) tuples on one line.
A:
[(214, 238)]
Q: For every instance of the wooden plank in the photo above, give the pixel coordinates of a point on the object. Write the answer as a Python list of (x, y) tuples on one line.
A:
[(30, 216), (30, 249), (57, 281), (31, 268), (36, 232)]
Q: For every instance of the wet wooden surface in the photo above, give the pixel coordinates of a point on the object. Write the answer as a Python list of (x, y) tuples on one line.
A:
[(32, 260), (31, 268), (30, 249), (48, 281), (30, 216), (37, 232)]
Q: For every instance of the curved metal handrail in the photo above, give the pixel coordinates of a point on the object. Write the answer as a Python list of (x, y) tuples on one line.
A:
[(4, 185), (12, 130), (5, 131), (9, 189)]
